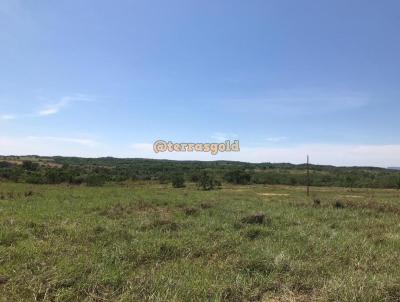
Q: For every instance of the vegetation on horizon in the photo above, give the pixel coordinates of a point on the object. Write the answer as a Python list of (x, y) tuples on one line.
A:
[(97, 171)]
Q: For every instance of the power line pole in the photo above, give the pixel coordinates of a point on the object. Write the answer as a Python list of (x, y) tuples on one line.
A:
[(308, 175)]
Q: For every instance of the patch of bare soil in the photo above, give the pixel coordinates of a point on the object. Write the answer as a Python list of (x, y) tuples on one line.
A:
[(234, 190), (273, 194)]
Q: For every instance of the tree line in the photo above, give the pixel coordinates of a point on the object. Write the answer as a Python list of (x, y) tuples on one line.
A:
[(98, 171)]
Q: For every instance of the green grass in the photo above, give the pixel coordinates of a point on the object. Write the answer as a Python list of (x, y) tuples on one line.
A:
[(150, 242)]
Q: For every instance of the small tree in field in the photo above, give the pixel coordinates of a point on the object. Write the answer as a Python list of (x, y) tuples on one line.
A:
[(207, 181), (178, 181)]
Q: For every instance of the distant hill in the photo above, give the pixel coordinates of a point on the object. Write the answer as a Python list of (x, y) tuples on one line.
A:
[(161, 164)]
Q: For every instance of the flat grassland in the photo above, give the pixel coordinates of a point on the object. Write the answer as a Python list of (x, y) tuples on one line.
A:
[(150, 242)]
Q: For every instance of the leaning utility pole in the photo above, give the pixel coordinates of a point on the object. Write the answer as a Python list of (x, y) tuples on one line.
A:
[(308, 175)]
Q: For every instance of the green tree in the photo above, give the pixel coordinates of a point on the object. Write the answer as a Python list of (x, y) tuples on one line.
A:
[(53, 176), (207, 181), (178, 181), (350, 181)]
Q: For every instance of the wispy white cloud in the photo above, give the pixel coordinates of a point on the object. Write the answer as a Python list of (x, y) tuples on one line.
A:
[(51, 108), (222, 136), (6, 117), (275, 139), (54, 108)]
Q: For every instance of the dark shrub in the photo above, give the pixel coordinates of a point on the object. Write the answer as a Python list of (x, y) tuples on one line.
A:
[(191, 211), (207, 181), (205, 205), (34, 179), (29, 165), (178, 181), (76, 180), (28, 193), (253, 234), (3, 280), (339, 205), (254, 219), (53, 176)]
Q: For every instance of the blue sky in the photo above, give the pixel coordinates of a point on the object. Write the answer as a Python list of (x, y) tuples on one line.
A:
[(286, 78)]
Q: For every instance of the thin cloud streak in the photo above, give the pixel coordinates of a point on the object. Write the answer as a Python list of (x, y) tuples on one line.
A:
[(275, 139), (50, 109), (64, 102), (222, 136), (7, 117)]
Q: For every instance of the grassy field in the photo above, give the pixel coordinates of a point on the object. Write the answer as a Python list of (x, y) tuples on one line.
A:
[(150, 242)]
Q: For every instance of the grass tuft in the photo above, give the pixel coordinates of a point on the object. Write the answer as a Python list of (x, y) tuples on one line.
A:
[(191, 211), (255, 219), (339, 204)]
